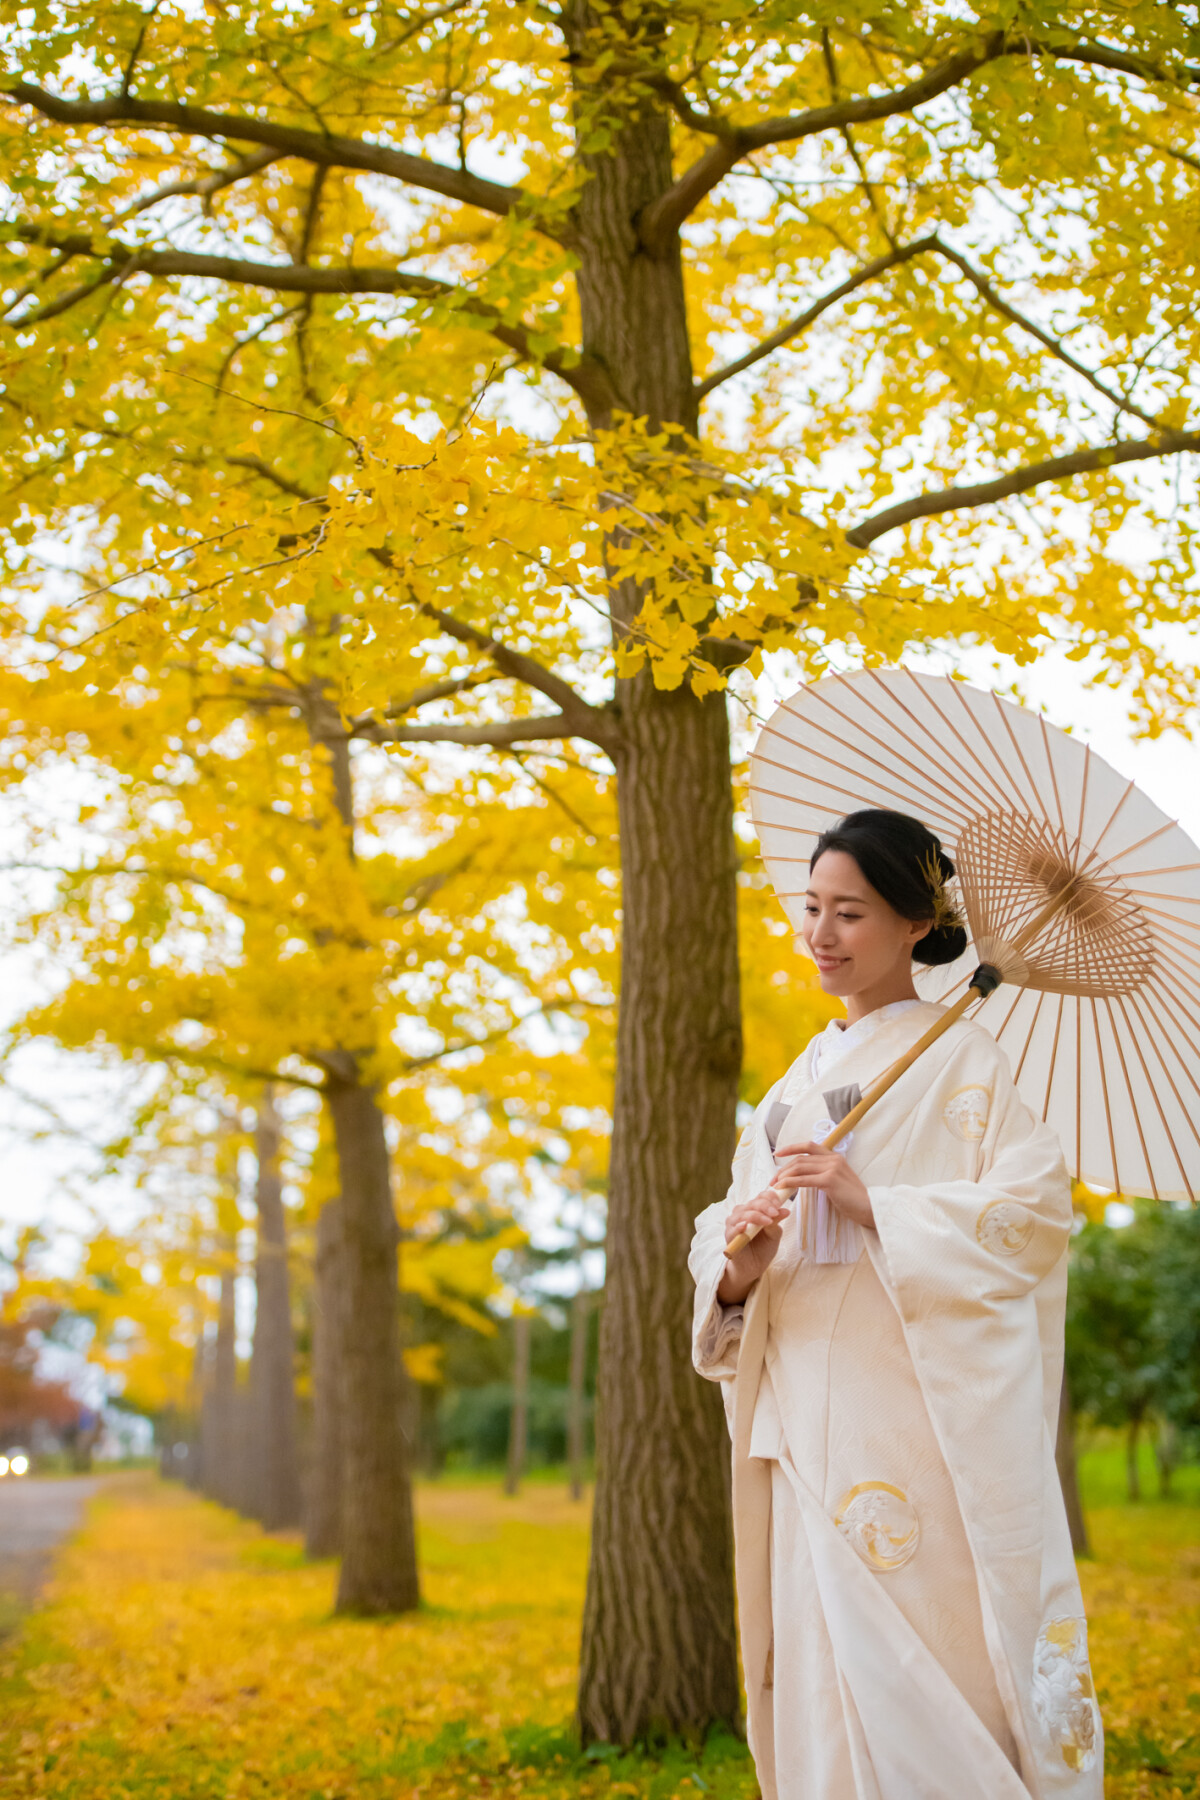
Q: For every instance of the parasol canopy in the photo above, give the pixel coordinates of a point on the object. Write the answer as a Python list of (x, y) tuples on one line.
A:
[(1076, 889)]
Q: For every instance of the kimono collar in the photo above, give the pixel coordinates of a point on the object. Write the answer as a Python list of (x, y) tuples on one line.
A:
[(838, 1038)]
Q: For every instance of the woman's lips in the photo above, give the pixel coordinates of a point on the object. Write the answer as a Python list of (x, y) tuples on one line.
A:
[(827, 964)]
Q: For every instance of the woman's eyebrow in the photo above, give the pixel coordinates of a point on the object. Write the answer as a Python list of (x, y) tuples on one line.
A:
[(859, 899)]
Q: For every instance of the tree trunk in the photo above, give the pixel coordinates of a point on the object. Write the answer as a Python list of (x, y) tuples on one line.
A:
[(1166, 1455), (1068, 1474), (518, 1430), (272, 1358), (379, 1559), (244, 1484), (659, 1645), (323, 1497), (194, 1471), (1133, 1476), (219, 1426), (577, 1397), (379, 1552)]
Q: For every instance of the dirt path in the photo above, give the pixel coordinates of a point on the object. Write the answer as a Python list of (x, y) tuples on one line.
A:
[(35, 1516)]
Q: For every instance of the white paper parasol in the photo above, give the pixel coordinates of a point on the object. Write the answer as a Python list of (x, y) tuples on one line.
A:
[(1076, 888)]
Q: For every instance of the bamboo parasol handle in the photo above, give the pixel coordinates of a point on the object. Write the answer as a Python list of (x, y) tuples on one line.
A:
[(985, 981)]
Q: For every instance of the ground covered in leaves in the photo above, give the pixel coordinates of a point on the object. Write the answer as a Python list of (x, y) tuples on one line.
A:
[(181, 1653)]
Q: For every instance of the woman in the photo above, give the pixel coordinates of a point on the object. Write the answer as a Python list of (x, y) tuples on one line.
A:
[(890, 1350)]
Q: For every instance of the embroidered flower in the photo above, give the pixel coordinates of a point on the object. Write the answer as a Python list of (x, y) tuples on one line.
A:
[(1064, 1699), (1003, 1228), (880, 1522), (966, 1113)]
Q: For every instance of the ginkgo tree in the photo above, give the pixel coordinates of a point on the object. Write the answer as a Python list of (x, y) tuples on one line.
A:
[(249, 907), (558, 359)]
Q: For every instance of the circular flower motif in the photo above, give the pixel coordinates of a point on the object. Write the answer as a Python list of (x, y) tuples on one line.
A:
[(1003, 1228), (966, 1113), (1064, 1699), (880, 1522)]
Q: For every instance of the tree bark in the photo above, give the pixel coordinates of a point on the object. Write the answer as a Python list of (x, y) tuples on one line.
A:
[(323, 1496), (1166, 1455), (379, 1559), (194, 1470), (518, 1430), (379, 1552), (272, 1359), (1068, 1473), (219, 1427), (1133, 1475), (659, 1645), (577, 1394), (244, 1486)]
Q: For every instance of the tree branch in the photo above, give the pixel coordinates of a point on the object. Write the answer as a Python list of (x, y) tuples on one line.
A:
[(497, 733), (256, 466), (514, 663), (869, 272), (203, 185), (198, 1060), (663, 217), (437, 690), (996, 301), (326, 150), (660, 220), (584, 374), (1019, 481), (931, 244), (131, 65)]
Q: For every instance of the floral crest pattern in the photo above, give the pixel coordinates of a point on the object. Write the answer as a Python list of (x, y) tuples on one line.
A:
[(1003, 1228), (1064, 1698), (880, 1522), (966, 1113)]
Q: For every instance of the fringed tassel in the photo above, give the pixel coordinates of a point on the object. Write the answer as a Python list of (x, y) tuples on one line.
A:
[(826, 1235)]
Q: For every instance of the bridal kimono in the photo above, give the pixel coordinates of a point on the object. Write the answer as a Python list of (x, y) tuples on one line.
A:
[(910, 1613)]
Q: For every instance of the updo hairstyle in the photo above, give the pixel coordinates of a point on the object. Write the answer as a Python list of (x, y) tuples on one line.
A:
[(908, 868)]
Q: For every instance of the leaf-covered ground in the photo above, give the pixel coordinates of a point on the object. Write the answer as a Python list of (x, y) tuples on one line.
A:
[(183, 1654)]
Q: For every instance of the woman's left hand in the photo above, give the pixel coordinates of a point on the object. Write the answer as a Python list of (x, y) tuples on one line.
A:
[(812, 1166)]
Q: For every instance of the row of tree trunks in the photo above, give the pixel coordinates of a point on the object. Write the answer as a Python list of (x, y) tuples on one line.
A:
[(247, 1453)]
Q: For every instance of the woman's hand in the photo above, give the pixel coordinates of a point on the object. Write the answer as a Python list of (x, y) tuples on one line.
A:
[(766, 1211), (812, 1166)]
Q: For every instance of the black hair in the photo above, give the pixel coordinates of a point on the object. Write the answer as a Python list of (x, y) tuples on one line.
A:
[(906, 865)]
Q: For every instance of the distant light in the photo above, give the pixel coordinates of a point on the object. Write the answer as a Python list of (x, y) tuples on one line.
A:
[(1117, 1215), (3, 1465), (19, 1465)]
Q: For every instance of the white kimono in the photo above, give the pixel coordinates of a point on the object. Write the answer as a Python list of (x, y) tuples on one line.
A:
[(911, 1620)]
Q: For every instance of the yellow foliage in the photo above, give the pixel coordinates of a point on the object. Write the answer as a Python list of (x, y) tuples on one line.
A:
[(184, 1653)]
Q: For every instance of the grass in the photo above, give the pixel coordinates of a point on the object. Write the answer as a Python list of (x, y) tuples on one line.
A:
[(182, 1654)]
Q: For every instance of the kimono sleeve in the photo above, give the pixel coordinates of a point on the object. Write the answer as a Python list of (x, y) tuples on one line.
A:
[(716, 1328), (968, 1244)]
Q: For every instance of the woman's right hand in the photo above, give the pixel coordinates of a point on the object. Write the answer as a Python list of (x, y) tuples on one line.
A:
[(766, 1211)]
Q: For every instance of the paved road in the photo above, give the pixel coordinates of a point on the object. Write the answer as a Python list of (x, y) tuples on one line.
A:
[(35, 1516)]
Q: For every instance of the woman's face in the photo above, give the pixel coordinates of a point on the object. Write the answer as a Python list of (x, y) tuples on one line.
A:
[(856, 939)]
